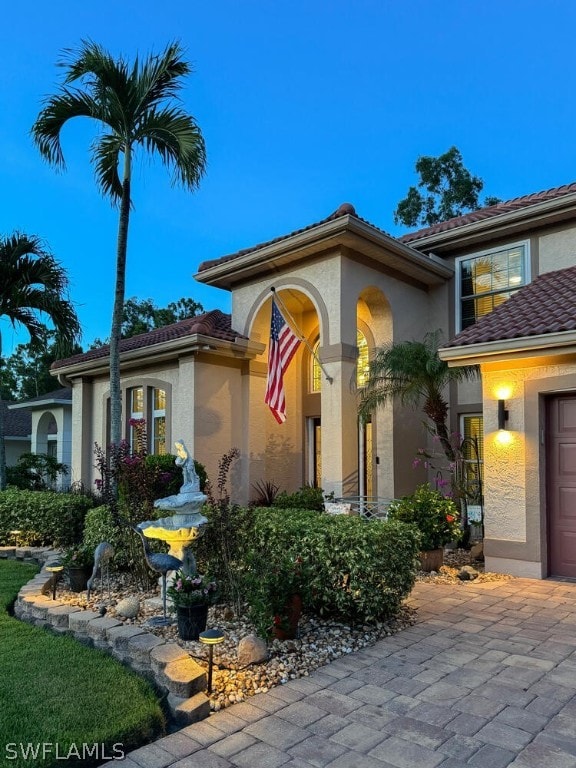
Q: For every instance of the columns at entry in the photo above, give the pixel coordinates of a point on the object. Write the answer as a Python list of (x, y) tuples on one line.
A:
[(339, 421)]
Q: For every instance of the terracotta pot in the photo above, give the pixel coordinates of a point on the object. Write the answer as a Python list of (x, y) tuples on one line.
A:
[(432, 560), (78, 577), (191, 620), (288, 628)]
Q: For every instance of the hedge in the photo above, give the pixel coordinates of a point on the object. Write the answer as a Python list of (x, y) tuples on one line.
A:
[(43, 518), (355, 570)]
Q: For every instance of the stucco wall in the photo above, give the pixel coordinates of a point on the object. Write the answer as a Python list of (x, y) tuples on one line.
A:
[(557, 250), (515, 472)]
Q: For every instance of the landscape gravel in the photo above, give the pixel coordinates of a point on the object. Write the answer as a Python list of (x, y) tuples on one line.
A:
[(319, 641)]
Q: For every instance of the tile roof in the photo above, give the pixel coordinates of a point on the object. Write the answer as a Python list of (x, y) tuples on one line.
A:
[(491, 211), (215, 324), (346, 209), (17, 423), (546, 305)]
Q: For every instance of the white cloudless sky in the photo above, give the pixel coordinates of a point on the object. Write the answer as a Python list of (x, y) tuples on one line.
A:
[(303, 105)]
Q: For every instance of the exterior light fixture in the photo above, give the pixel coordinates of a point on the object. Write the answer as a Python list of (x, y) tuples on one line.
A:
[(55, 569), (502, 414), (211, 637)]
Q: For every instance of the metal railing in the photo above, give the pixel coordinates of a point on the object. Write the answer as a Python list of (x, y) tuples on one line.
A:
[(369, 507)]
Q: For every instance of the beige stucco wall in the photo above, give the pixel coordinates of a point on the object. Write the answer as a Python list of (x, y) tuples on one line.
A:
[(557, 250), (515, 524), (337, 295)]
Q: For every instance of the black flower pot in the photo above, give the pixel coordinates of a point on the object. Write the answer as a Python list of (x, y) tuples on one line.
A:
[(191, 620), (78, 577)]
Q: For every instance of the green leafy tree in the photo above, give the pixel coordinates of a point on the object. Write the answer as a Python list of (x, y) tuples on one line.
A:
[(27, 370), (136, 108), (446, 189), (33, 290), (142, 315), (412, 372)]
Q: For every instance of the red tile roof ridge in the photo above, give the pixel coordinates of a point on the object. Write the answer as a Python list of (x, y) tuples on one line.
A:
[(215, 323), (506, 206), (345, 209)]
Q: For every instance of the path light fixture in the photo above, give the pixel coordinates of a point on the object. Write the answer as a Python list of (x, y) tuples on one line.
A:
[(211, 637), (55, 569), (502, 414)]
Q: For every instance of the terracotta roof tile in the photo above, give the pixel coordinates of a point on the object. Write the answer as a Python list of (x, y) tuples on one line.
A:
[(546, 305), (346, 209), (215, 324), (487, 213)]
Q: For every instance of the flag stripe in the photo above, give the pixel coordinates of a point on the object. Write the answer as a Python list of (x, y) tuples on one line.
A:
[(283, 346)]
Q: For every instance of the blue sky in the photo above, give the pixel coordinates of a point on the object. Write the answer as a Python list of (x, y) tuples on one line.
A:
[(303, 105)]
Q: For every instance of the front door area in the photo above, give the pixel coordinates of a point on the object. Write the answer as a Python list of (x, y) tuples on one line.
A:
[(561, 485)]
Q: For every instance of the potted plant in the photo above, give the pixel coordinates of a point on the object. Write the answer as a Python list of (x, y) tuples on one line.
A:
[(436, 518), (78, 562), (191, 597)]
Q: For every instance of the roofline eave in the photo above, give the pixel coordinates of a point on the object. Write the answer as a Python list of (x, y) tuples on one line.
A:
[(316, 239), (563, 342), (466, 232), (48, 402), (162, 351)]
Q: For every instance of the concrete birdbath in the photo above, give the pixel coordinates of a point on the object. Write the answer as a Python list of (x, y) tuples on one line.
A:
[(185, 523)]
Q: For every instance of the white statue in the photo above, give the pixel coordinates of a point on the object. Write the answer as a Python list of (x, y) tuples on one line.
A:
[(190, 489)]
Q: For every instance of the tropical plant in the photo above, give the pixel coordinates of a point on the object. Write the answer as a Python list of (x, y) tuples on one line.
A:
[(33, 289), (435, 516), (266, 491), (136, 108), (187, 590), (35, 472), (412, 372)]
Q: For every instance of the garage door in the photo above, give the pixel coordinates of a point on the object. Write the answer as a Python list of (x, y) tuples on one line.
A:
[(561, 485)]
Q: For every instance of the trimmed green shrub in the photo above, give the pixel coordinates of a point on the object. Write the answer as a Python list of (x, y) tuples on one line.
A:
[(128, 553), (349, 569), (44, 518), (306, 498), (435, 516)]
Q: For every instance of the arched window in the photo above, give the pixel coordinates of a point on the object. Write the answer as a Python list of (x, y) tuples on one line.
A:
[(362, 366)]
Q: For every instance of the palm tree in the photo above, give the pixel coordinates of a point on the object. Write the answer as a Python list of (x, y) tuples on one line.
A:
[(136, 107), (413, 372), (33, 287)]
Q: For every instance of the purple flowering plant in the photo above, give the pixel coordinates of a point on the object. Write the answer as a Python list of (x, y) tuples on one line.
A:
[(192, 590)]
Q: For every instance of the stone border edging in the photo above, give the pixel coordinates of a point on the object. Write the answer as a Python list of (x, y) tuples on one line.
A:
[(165, 664)]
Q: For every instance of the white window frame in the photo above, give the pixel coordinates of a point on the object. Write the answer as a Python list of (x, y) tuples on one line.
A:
[(488, 252)]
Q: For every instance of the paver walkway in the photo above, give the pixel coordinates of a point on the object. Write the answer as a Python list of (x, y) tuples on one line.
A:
[(487, 677)]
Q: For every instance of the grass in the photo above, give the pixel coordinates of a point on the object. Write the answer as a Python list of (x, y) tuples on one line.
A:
[(58, 692)]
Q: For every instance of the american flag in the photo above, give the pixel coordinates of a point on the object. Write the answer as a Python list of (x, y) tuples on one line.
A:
[(282, 348)]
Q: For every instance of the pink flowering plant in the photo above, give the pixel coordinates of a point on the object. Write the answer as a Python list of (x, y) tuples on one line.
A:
[(192, 590), (434, 515)]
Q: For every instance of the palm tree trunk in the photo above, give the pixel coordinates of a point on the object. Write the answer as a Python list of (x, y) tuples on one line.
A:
[(437, 411), (117, 313)]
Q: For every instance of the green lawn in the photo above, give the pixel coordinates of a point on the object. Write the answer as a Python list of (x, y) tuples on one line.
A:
[(56, 692)]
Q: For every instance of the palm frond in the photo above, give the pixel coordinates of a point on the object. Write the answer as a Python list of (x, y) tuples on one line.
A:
[(175, 136), (56, 112), (106, 153)]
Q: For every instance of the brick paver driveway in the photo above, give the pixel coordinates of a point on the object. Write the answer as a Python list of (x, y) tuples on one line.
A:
[(487, 677)]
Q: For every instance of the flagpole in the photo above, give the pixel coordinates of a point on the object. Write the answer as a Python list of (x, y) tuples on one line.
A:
[(329, 378)]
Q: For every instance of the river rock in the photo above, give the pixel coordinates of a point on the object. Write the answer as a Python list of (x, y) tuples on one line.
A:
[(252, 650), (129, 607), (467, 573)]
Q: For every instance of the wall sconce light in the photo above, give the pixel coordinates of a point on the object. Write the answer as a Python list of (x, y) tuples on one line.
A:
[(502, 415), (211, 637)]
